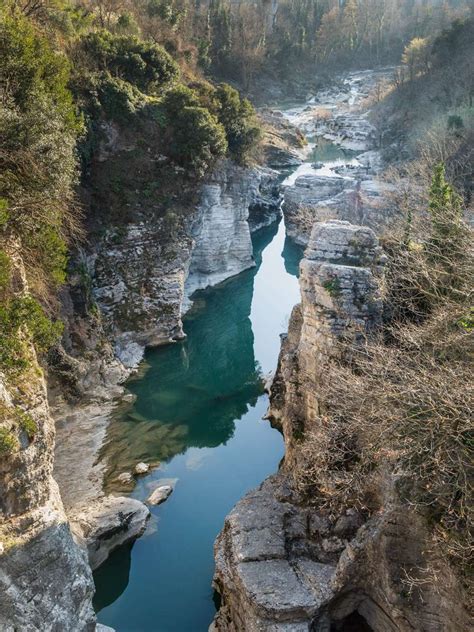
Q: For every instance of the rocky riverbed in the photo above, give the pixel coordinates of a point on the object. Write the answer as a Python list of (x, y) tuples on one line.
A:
[(341, 175)]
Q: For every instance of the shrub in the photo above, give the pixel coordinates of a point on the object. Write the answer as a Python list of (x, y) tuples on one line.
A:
[(178, 98), (143, 64), (5, 267), (8, 442), (198, 139), (31, 66), (26, 423), (38, 131), (118, 99), (20, 317), (399, 404), (239, 120)]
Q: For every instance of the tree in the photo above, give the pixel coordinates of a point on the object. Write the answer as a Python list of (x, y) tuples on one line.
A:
[(416, 56), (143, 64), (445, 207), (198, 139), (239, 121)]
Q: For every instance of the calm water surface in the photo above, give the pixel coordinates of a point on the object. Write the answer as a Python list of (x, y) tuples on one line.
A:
[(198, 413)]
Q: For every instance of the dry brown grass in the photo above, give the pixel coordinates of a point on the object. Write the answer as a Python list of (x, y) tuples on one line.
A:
[(398, 408)]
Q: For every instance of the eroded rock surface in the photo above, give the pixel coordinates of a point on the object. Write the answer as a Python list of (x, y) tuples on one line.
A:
[(352, 186), (281, 563), (45, 581), (107, 523), (320, 198)]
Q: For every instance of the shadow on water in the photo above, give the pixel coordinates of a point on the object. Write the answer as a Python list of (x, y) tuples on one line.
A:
[(198, 411)]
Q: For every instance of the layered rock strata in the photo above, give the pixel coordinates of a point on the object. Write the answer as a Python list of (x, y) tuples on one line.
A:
[(281, 563), (356, 198), (221, 230), (45, 581)]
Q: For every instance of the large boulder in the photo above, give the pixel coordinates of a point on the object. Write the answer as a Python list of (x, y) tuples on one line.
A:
[(107, 523)]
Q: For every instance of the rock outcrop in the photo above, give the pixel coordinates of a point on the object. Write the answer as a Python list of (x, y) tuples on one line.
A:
[(316, 198), (347, 186), (107, 523), (281, 563), (45, 581), (220, 230)]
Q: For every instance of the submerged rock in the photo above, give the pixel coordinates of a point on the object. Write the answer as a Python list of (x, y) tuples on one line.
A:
[(108, 523), (159, 495)]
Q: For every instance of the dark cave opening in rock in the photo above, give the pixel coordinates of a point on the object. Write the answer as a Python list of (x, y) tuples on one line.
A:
[(355, 622)]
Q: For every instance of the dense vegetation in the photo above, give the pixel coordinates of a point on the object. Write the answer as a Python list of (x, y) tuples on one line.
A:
[(401, 403), (69, 73), (63, 74)]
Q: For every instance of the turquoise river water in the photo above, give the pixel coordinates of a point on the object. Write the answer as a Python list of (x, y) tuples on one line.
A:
[(198, 412)]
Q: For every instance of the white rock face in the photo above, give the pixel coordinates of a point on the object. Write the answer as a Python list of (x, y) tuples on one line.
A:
[(141, 468), (45, 581), (221, 233)]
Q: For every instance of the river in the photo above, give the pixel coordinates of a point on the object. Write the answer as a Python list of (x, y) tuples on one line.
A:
[(198, 410), (198, 413)]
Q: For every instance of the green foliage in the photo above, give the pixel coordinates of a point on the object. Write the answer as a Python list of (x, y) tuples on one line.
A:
[(38, 131), (178, 98), (198, 139), (166, 10), (119, 100), (8, 442), (333, 287), (20, 318), (467, 321), (446, 212), (31, 66), (238, 118), (126, 23), (5, 270), (51, 250), (26, 423), (143, 64), (4, 213)]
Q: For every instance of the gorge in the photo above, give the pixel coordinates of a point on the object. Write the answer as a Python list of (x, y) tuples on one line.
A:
[(234, 387)]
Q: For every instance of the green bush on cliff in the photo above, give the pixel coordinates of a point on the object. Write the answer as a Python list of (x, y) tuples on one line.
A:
[(177, 98), (198, 139), (239, 120), (119, 100), (22, 319), (38, 131), (143, 64), (8, 442)]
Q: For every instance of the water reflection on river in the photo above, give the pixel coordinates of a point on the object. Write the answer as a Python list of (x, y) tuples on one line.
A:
[(198, 412)]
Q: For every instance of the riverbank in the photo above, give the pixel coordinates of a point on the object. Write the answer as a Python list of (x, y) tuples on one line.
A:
[(304, 551)]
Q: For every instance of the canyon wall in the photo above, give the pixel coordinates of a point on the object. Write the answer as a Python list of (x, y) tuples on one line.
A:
[(45, 580), (283, 563)]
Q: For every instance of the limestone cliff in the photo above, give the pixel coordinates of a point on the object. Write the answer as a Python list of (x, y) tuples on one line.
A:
[(143, 278), (284, 564), (233, 202), (45, 580), (356, 197)]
